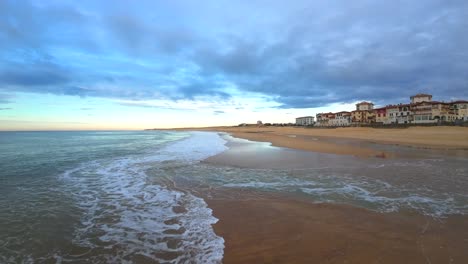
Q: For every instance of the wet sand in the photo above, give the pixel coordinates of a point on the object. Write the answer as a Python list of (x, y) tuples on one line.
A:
[(353, 141), (271, 227)]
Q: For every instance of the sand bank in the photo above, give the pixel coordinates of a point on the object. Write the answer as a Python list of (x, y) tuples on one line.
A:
[(354, 141)]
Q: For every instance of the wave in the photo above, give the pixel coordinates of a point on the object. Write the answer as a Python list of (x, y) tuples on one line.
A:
[(126, 217)]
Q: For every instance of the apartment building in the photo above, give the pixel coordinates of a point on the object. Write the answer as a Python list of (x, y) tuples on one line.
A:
[(421, 110), (422, 113), (342, 118), (461, 109), (399, 114), (381, 115), (364, 113), (324, 118), (305, 121)]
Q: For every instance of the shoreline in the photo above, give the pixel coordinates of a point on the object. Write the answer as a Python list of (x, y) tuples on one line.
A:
[(361, 142), (261, 226)]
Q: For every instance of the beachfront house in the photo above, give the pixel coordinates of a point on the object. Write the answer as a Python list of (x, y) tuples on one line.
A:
[(364, 113), (305, 121), (433, 112), (323, 118), (421, 110), (422, 113), (364, 106), (399, 114), (342, 118), (461, 109), (443, 112), (381, 115)]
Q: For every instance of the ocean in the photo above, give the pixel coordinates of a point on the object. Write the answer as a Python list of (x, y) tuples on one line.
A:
[(133, 197)]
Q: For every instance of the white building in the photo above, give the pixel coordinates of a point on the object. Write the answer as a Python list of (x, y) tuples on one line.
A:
[(341, 119), (305, 121), (421, 98), (399, 114), (364, 106)]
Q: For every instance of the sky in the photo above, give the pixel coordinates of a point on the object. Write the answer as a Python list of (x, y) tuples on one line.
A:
[(68, 65)]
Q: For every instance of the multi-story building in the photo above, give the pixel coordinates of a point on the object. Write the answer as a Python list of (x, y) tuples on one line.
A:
[(342, 118), (381, 115), (399, 114), (364, 106), (305, 121), (433, 112), (364, 113), (422, 113), (421, 110), (324, 118), (443, 112), (461, 109)]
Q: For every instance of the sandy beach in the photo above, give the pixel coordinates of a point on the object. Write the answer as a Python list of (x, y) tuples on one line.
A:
[(272, 227), (267, 228), (353, 141)]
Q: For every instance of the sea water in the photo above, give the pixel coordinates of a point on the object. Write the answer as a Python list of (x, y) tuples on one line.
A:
[(86, 197), (133, 197)]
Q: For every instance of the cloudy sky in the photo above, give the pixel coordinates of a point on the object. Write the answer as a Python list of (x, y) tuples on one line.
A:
[(143, 64)]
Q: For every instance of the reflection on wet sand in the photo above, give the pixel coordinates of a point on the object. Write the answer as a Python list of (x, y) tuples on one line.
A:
[(269, 218)]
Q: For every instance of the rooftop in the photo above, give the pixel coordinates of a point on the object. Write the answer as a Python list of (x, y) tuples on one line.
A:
[(364, 102), (421, 95), (459, 102)]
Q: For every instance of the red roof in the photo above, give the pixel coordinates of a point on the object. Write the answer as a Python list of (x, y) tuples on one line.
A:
[(459, 102), (381, 108)]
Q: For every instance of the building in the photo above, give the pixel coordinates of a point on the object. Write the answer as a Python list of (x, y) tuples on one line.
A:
[(364, 113), (422, 113), (381, 115), (461, 109), (342, 118), (443, 112), (420, 110), (421, 98), (433, 112), (324, 118), (305, 121), (364, 106), (399, 114)]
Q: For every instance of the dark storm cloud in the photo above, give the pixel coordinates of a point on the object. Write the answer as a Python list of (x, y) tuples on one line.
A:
[(301, 54)]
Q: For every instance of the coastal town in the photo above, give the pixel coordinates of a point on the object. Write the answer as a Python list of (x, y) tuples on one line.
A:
[(421, 110)]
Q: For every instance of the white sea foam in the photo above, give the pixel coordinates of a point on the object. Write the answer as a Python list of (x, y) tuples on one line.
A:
[(373, 194), (125, 217)]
